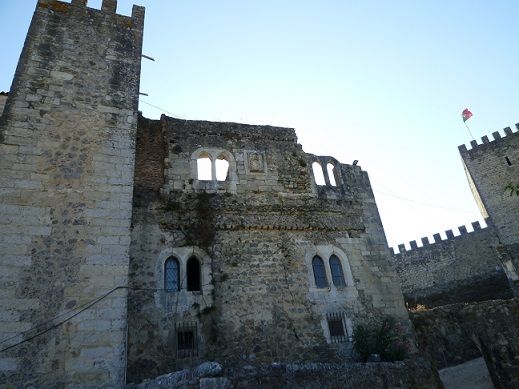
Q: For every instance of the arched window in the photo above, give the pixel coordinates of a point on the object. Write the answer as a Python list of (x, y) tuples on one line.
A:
[(222, 168), (337, 273), (331, 174), (319, 272), (318, 173), (193, 274), (203, 165), (171, 275)]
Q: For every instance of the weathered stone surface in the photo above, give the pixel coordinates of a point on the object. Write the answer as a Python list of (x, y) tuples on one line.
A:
[(465, 268), (416, 374), (3, 99), (490, 167), (255, 235), (215, 383), (67, 139), (468, 375), (208, 369), (457, 333)]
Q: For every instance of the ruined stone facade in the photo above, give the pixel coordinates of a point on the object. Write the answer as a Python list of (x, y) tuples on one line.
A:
[(255, 234)]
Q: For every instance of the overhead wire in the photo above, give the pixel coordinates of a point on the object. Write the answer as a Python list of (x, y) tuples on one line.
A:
[(77, 311), (162, 109), (407, 202)]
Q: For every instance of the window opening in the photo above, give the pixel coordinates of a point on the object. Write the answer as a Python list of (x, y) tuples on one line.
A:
[(203, 166), (171, 275), (187, 340), (508, 161), (331, 174), (337, 273), (193, 274), (319, 272), (318, 174), (336, 327), (222, 169)]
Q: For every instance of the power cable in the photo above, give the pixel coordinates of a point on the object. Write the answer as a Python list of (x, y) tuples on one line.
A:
[(61, 322), (422, 203), (393, 194), (162, 109), (82, 308)]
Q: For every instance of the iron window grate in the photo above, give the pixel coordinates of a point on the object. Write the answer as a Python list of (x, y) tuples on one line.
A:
[(186, 340), (336, 326)]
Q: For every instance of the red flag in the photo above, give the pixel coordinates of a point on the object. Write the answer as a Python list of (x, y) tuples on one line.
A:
[(466, 115)]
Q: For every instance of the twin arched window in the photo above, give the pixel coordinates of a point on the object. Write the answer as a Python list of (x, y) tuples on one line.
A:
[(172, 275), (319, 174), (321, 281), (210, 169)]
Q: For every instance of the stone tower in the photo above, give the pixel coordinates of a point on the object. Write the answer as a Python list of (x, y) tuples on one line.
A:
[(490, 166), (67, 144)]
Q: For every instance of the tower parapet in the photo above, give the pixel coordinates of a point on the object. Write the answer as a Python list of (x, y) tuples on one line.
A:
[(485, 141), (490, 167)]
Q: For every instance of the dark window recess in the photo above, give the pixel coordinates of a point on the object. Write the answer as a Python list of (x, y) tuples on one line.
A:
[(508, 161), (171, 275), (337, 273), (193, 275), (187, 340), (319, 272), (336, 327)]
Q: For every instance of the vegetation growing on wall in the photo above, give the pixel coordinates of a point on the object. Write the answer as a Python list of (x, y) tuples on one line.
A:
[(512, 189), (384, 338)]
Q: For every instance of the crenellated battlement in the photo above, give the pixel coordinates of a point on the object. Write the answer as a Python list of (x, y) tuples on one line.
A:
[(426, 244), (486, 141), (107, 6)]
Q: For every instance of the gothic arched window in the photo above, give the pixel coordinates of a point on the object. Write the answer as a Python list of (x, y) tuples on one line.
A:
[(193, 275), (319, 272), (318, 174), (337, 273), (171, 275), (222, 168)]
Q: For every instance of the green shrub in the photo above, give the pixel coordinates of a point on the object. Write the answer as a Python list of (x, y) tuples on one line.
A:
[(385, 338)]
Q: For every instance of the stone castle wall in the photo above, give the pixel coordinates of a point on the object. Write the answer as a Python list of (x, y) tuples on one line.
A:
[(456, 333), (490, 166), (3, 99), (255, 234), (67, 138), (462, 268), (411, 374)]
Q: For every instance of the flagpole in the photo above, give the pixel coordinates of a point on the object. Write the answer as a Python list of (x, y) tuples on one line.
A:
[(472, 136)]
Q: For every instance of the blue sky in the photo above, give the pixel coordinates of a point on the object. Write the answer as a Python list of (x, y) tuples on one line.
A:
[(383, 82)]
